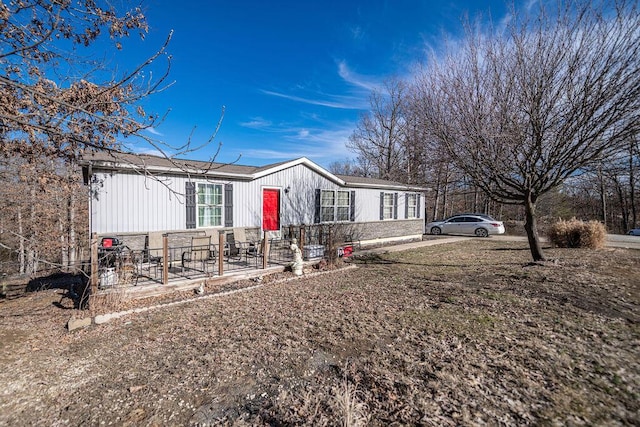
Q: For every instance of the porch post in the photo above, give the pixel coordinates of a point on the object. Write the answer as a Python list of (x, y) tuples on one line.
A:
[(94, 263), (165, 259), (221, 253), (330, 247), (301, 242), (265, 250)]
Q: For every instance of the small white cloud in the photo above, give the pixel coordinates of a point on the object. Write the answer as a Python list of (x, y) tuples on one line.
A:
[(153, 131), (357, 32), (303, 133), (256, 123)]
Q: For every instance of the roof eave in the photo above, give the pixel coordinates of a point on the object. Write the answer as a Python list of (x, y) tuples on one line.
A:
[(386, 186), (108, 165)]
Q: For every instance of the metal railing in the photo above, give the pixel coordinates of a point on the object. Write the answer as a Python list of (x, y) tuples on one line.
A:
[(124, 266)]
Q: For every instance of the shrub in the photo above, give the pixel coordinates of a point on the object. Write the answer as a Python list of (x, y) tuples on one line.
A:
[(577, 234)]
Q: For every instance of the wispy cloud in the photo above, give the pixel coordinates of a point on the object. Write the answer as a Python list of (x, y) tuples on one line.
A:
[(256, 123), (322, 145), (357, 32), (153, 131), (356, 91), (356, 79), (342, 102)]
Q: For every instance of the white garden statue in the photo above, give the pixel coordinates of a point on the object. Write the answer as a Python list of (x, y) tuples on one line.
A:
[(296, 266)]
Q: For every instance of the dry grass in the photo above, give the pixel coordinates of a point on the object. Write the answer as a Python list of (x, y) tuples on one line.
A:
[(578, 234), (462, 334), (113, 298), (348, 405)]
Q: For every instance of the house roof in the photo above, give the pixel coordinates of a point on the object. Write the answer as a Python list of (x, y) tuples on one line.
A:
[(146, 163)]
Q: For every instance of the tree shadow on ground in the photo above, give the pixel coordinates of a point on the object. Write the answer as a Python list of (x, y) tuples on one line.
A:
[(525, 248)]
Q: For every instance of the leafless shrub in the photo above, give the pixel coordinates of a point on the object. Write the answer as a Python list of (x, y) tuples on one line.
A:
[(577, 234)]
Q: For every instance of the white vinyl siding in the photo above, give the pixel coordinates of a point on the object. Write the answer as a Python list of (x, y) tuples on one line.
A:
[(209, 205), (127, 202)]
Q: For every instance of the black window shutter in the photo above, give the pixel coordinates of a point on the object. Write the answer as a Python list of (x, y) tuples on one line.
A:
[(395, 205), (381, 206), (228, 205), (406, 206), (190, 203), (316, 216), (418, 215), (352, 214)]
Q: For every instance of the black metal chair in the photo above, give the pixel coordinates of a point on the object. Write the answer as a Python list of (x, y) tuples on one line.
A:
[(232, 250), (200, 252)]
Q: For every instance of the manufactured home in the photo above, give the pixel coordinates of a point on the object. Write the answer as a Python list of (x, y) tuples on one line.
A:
[(144, 195)]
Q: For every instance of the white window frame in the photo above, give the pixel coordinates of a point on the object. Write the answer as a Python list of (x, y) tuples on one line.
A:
[(215, 209), (412, 205), (335, 205), (388, 209)]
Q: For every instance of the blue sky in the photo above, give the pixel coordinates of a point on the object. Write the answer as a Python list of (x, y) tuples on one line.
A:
[(294, 76)]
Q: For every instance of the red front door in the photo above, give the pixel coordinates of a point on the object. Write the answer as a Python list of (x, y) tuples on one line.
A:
[(270, 209)]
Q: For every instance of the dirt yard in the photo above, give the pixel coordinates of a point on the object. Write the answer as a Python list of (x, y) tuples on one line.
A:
[(468, 333)]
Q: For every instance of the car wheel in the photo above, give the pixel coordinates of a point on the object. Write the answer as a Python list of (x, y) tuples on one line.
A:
[(436, 230), (481, 232)]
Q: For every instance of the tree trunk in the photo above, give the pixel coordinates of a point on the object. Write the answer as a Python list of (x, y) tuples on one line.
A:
[(624, 208), (436, 201), (64, 258), (632, 189), (71, 227), (445, 193), (531, 227), (603, 197), (476, 199), (32, 253), (21, 248)]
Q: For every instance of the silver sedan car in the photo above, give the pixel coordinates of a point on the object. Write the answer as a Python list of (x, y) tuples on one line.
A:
[(476, 224)]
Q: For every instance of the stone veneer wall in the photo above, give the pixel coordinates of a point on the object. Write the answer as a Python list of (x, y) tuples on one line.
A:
[(389, 229)]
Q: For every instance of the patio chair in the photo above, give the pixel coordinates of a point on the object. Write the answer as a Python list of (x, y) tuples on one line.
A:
[(255, 251), (200, 252), (147, 259), (233, 249), (250, 248)]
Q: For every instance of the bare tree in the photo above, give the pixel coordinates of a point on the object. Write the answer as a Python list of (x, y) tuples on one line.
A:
[(378, 137), (53, 101), (523, 110), (346, 167), (57, 103)]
